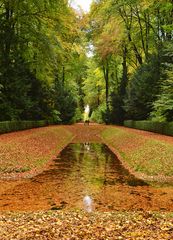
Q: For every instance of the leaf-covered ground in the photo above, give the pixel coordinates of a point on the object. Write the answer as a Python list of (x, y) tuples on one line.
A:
[(79, 225), (144, 152), (25, 153)]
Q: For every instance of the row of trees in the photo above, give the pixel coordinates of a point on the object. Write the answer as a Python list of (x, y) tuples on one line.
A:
[(45, 72), (132, 66), (42, 60)]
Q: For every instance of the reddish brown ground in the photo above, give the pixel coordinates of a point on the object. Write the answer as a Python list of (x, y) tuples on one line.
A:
[(25, 153), (41, 193)]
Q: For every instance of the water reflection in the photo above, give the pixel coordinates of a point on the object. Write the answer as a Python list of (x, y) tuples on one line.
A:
[(88, 204), (87, 176), (89, 169), (95, 165)]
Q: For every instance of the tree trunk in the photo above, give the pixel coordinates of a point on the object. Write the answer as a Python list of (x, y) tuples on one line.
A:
[(106, 77), (141, 30), (8, 34), (98, 96), (124, 77), (147, 31), (137, 54), (63, 75)]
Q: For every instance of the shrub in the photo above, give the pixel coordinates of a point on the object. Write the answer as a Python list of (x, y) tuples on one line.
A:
[(157, 127), (10, 126), (78, 116), (99, 114)]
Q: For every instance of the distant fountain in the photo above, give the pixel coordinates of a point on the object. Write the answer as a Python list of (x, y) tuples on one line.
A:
[(86, 114), (88, 204), (87, 109)]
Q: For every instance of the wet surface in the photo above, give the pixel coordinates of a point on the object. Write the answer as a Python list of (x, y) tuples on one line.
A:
[(85, 169)]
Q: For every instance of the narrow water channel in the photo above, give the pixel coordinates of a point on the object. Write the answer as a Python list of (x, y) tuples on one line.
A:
[(94, 166), (86, 171)]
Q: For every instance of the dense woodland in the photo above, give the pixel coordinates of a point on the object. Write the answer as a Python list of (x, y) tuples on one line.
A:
[(118, 58)]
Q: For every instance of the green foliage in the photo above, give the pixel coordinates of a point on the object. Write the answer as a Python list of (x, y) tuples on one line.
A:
[(158, 127), (16, 85), (64, 101), (163, 106), (38, 41), (78, 116), (98, 115), (9, 126), (45, 73), (54, 118), (142, 29), (93, 85), (23, 96), (142, 90), (116, 110)]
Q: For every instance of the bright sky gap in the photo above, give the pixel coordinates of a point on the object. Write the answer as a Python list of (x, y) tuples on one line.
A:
[(84, 4)]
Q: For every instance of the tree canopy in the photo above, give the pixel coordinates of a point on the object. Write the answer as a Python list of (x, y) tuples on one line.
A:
[(47, 72)]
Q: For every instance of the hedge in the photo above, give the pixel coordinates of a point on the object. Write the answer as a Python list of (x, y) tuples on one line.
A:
[(10, 126), (157, 127)]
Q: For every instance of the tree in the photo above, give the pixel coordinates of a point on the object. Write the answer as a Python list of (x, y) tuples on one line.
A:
[(38, 42), (142, 90), (93, 85), (163, 106)]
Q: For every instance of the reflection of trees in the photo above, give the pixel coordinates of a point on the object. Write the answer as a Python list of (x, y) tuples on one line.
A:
[(94, 166)]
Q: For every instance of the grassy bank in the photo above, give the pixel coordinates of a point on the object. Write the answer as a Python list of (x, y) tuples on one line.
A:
[(30, 150), (142, 153)]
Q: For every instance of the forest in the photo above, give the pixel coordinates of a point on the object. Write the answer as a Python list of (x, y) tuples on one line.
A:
[(118, 58)]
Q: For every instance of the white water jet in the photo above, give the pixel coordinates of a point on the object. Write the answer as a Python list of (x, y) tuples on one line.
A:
[(87, 109), (87, 201), (86, 114)]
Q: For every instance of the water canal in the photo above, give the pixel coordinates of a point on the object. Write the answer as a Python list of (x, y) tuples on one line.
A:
[(81, 171)]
